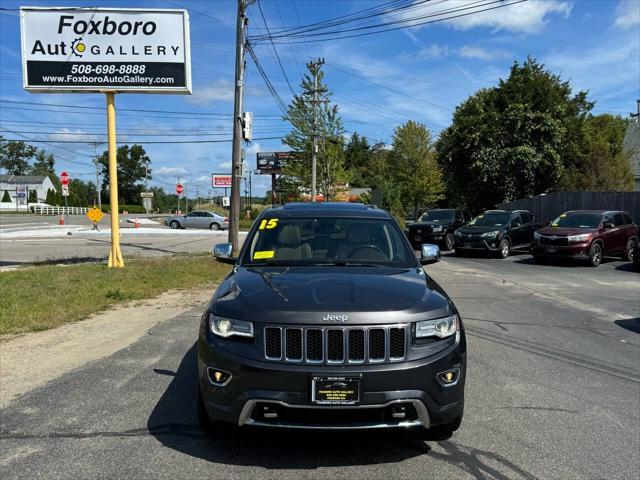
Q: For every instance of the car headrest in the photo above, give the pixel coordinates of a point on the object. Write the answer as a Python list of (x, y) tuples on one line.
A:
[(358, 233), (289, 236)]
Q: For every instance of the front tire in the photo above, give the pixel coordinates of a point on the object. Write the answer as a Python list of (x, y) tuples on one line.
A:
[(628, 251), (174, 225), (503, 248), (214, 226), (595, 255), (448, 241)]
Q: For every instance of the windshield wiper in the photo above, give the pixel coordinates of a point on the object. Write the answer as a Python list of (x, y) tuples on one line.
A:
[(348, 263)]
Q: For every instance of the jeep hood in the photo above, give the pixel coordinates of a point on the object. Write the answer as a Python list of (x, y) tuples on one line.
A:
[(304, 295)]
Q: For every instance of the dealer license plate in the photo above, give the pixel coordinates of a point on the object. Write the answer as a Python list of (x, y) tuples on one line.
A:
[(335, 390), (552, 249)]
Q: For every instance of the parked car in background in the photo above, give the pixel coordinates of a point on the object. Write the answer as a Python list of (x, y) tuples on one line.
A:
[(496, 231), (636, 257), (587, 235), (437, 226), (198, 219)]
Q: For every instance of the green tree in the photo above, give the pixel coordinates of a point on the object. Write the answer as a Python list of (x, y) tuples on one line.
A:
[(328, 125), (603, 166), (33, 196), (131, 171), (415, 168), (15, 156), (50, 198), (44, 164), (6, 198), (514, 140), (357, 156)]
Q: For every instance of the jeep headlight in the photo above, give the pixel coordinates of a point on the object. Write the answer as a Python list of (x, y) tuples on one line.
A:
[(579, 238), (228, 327), (439, 327), (490, 234), (437, 228), (536, 236)]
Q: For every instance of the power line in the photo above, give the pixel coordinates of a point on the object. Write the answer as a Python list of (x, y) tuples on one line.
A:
[(275, 50), (135, 142)]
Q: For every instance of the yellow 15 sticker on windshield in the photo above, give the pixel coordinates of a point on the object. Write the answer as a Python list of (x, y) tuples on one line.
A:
[(268, 224)]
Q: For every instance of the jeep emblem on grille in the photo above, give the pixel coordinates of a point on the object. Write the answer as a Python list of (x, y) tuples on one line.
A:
[(553, 237), (333, 317)]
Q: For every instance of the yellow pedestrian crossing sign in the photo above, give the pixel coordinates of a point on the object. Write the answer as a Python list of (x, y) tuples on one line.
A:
[(95, 215)]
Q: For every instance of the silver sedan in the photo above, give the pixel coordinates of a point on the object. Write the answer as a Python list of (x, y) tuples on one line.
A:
[(198, 219)]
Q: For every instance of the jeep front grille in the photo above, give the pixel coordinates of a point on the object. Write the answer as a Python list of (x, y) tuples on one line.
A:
[(335, 345)]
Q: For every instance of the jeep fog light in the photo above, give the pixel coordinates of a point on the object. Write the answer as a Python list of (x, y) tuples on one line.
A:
[(218, 377), (449, 377)]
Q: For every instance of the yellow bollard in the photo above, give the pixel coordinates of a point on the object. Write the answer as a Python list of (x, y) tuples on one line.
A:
[(115, 255)]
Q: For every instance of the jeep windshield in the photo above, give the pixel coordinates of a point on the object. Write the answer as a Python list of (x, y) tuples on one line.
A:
[(491, 220), (577, 220), (333, 241), (437, 216)]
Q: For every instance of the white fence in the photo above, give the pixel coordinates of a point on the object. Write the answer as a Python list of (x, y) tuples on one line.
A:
[(48, 210)]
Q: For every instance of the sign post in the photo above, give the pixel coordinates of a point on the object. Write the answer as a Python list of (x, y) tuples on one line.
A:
[(179, 190), (106, 50), (64, 180)]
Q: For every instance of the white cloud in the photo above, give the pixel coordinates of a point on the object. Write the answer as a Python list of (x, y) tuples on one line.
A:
[(252, 150), (473, 51), (203, 178), (221, 90), (627, 13), (66, 134), (224, 165), (433, 51), (169, 171), (527, 17)]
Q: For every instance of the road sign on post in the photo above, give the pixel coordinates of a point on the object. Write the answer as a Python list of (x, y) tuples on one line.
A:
[(64, 178), (179, 188), (106, 50), (65, 190)]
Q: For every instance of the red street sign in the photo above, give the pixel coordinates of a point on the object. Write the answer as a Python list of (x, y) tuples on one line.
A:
[(221, 180), (179, 188), (64, 178)]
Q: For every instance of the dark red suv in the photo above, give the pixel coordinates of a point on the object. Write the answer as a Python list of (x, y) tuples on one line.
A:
[(588, 235)]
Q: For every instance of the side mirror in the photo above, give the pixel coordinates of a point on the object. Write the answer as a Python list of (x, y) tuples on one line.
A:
[(429, 253), (607, 225), (224, 253)]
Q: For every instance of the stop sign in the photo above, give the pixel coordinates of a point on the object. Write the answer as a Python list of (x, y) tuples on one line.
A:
[(179, 188), (64, 178)]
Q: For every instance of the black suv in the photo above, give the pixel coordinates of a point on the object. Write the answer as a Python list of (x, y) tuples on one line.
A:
[(437, 226), (328, 320), (496, 231)]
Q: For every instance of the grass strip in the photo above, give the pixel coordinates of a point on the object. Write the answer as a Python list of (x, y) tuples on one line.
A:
[(47, 296)]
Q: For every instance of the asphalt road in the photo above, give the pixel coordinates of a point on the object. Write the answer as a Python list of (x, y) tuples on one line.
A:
[(92, 247), (553, 392)]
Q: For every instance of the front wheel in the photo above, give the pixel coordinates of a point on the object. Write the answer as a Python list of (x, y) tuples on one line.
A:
[(628, 251), (595, 255), (448, 241), (174, 225), (214, 226), (503, 248)]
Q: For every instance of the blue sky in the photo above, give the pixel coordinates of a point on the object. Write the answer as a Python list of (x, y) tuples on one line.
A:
[(595, 44)]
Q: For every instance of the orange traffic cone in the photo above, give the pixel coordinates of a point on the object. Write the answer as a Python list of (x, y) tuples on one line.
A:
[(135, 223), (61, 221)]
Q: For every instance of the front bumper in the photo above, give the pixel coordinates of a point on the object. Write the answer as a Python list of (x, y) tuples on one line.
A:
[(417, 240), (485, 244), (256, 387), (578, 251)]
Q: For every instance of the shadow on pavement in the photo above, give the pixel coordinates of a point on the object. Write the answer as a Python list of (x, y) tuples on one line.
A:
[(174, 423), (627, 267), (631, 324)]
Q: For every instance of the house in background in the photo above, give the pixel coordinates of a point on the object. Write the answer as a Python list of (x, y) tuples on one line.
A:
[(19, 188)]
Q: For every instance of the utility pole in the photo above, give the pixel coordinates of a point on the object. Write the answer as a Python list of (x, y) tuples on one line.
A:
[(186, 195), (236, 154), (314, 149), (197, 194), (636, 116)]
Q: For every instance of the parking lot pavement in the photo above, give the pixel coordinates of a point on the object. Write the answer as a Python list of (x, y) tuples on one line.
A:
[(552, 393)]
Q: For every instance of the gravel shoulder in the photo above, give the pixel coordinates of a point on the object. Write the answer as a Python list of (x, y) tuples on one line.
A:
[(32, 360)]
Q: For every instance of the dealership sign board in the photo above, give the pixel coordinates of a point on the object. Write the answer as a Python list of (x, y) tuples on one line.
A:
[(221, 180), (103, 49)]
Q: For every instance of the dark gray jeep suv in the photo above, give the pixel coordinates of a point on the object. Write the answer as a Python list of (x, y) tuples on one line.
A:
[(328, 320)]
